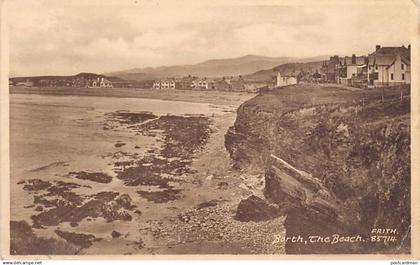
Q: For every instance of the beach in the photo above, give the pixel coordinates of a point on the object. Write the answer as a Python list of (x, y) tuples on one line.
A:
[(120, 175)]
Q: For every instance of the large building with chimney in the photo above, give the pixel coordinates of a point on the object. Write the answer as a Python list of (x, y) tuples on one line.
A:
[(389, 66)]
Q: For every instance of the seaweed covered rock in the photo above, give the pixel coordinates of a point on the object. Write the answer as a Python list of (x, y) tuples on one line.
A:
[(255, 209), (24, 241)]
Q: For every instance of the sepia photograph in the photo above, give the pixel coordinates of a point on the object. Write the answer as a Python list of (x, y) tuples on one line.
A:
[(156, 127)]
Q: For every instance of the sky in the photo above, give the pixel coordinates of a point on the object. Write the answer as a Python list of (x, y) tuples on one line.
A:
[(67, 37)]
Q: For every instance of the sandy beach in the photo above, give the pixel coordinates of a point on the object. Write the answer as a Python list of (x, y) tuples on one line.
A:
[(144, 176)]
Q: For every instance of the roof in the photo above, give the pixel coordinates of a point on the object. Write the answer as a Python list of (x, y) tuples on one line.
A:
[(403, 51), (360, 60), (165, 80), (387, 55), (407, 62), (384, 60)]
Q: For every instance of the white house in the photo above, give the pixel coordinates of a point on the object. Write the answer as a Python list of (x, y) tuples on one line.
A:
[(353, 65), (351, 68), (164, 84), (100, 82), (24, 83), (389, 66), (285, 80)]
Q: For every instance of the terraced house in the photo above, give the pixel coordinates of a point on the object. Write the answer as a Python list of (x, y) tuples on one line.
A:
[(164, 84), (389, 66)]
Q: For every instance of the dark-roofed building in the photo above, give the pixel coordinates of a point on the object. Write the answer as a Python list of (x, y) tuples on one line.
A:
[(237, 83), (389, 66), (220, 84), (330, 69)]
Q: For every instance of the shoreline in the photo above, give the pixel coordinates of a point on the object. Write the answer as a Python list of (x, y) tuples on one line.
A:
[(204, 192), (198, 96)]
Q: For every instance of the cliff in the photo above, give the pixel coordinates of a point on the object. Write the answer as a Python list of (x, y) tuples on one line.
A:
[(356, 147)]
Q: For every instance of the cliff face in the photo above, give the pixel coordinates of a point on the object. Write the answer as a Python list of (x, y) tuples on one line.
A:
[(356, 146)]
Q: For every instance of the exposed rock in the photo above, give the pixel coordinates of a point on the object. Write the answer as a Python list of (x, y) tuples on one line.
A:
[(359, 155), (222, 185), (124, 117), (125, 201), (255, 209), (211, 203), (94, 176), (119, 144), (115, 234), (82, 240), (102, 204), (36, 185), (23, 241), (288, 185), (161, 196)]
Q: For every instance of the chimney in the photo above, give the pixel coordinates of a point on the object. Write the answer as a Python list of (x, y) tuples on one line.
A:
[(353, 59), (378, 47)]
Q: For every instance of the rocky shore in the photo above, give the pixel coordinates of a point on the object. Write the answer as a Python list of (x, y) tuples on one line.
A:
[(133, 182)]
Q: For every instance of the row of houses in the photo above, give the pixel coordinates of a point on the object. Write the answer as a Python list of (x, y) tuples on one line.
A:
[(196, 83), (386, 66), (223, 84), (184, 83)]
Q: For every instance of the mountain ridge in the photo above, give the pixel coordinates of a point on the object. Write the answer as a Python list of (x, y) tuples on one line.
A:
[(244, 65)]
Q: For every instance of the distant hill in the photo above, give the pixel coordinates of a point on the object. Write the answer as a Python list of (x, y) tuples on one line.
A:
[(212, 68), (285, 69), (73, 80), (251, 67), (65, 77), (138, 77)]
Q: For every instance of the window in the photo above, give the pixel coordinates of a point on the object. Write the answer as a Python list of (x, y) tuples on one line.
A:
[(402, 77), (392, 76), (402, 66)]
